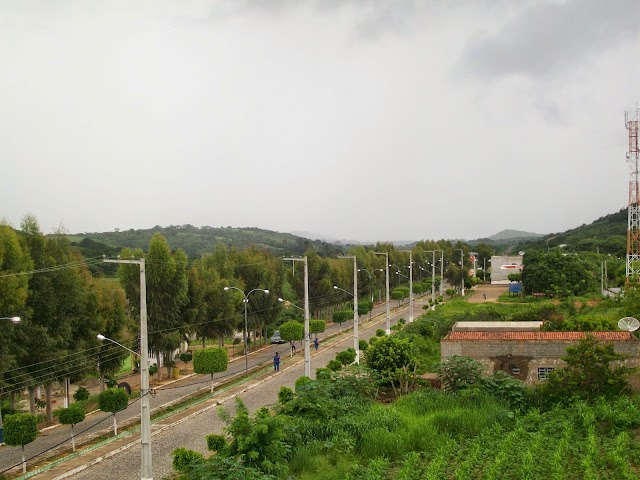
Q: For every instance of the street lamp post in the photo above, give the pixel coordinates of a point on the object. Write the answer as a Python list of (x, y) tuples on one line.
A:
[(461, 271), (14, 320), (307, 346), (410, 284), (146, 468), (433, 277), (356, 339), (386, 265), (245, 300)]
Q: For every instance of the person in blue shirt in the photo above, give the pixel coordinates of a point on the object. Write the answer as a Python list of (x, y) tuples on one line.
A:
[(276, 362), (316, 343)]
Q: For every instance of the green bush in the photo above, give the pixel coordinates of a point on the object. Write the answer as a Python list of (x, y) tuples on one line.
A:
[(301, 382), (216, 443), (342, 316), (186, 460), (334, 365), (210, 360), (346, 357), (363, 345), (323, 374), (153, 369), (285, 394), (113, 400), (459, 373), (504, 387), (380, 332), (81, 394), (71, 416), (20, 429), (317, 326)]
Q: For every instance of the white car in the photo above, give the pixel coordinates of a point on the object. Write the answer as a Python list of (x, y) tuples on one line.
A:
[(276, 338)]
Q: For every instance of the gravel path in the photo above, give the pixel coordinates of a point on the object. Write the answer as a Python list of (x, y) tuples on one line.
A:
[(191, 433)]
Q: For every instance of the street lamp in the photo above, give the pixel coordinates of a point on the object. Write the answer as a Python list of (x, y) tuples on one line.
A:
[(386, 263), (356, 338), (146, 459), (410, 284), (307, 315), (13, 319), (245, 300), (461, 270)]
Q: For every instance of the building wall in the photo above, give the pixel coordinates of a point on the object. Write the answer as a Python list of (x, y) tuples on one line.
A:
[(499, 272), (522, 358)]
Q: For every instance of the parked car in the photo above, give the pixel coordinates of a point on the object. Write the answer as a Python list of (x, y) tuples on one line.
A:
[(276, 338)]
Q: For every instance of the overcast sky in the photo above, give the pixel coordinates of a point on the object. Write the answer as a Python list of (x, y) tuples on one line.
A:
[(363, 119)]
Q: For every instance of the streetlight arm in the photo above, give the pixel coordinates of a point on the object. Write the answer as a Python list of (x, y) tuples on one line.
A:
[(103, 338), (13, 319), (342, 290), (287, 303)]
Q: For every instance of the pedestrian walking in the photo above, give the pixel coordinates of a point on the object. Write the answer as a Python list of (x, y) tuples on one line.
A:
[(293, 349), (316, 344), (484, 294), (276, 362)]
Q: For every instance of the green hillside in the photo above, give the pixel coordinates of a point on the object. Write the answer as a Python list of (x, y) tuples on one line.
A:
[(196, 241), (607, 234)]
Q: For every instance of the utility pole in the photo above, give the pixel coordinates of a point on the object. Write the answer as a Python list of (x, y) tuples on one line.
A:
[(461, 271), (145, 410), (356, 339), (633, 211), (386, 267), (410, 284), (307, 340), (433, 277)]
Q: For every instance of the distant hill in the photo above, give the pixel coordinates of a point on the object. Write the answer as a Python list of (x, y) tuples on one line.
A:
[(607, 234), (196, 241), (513, 234)]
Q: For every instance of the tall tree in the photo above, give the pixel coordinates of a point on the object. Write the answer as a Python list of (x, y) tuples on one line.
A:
[(167, 287)]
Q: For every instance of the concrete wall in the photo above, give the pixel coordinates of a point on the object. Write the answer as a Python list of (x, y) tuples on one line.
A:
[(522, 358), (499, 268)]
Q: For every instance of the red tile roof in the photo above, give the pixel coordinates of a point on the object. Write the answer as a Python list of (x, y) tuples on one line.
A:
[(560, 336)]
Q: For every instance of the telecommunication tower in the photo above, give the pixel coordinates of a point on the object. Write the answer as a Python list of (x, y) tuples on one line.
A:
[(633, 230)]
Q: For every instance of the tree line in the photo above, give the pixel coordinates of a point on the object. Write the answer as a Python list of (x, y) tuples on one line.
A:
[(63, 306)]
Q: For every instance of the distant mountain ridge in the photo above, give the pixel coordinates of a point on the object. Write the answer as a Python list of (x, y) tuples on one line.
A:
[(514, 234)]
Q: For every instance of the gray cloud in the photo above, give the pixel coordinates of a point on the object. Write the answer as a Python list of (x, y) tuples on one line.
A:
[(550, 37)]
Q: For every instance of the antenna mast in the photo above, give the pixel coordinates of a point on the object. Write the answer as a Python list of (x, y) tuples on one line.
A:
[(633, 231)]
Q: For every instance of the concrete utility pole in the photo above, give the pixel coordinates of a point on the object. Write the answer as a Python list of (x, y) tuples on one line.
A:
[(433, 276), (386, 267), (307, 340), (410, 284), (145, 409), (356, 339), (461, 271)]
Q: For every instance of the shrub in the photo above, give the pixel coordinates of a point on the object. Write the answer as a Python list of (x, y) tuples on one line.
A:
[(503, 386), (186, 460), (317, 326), (216, 443), (301, 382), (323, 374), (113, 400), (210, 360), (71, 416), (153, 369), (380, 332), (334, 365), (285, 394), (459, 372), (347, 356), (186, 357), (363, 345), (81, 394)]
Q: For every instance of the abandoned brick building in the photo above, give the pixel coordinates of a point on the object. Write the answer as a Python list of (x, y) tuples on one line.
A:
[(528, 355)]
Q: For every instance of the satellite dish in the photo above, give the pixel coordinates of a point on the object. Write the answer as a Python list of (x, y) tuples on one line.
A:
[(629, 324)]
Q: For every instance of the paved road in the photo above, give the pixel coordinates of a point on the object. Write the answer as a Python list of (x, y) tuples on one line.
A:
[(191, 433), (98, 423)]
